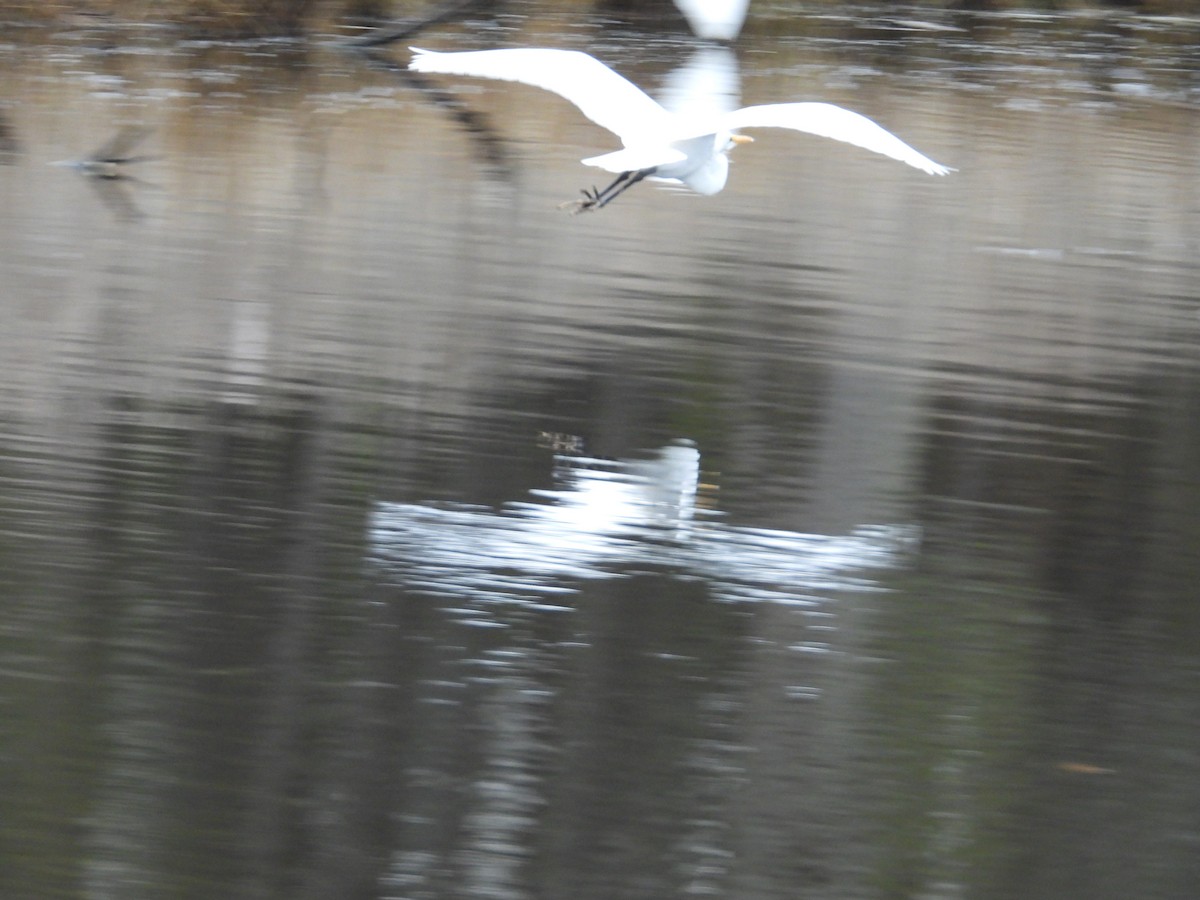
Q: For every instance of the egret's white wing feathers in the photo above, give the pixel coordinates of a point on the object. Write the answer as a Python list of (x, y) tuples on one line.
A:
[(632, 159), (831, 121), (601, 94), (687, 143)]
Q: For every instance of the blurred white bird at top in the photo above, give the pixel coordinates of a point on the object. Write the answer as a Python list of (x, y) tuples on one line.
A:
[(714, 20), (686, 147)]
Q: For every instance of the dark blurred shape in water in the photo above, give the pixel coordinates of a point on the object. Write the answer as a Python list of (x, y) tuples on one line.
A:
[(10, 147), (110, 159)]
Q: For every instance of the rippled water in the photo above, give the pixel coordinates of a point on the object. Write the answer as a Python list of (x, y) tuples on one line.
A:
[(373, 528)]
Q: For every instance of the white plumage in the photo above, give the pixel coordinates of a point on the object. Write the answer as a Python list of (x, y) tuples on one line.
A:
[(687, 147)]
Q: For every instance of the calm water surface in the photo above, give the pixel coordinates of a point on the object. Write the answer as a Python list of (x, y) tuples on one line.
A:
[(372, 528)]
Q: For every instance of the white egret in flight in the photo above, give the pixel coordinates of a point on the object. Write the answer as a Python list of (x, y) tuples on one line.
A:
[(681, 147)]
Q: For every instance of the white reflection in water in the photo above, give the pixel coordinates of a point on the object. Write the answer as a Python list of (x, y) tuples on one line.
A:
[(609, 519), (707, 84)]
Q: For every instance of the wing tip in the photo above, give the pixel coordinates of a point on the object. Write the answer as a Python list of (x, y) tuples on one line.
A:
[(420, 54)]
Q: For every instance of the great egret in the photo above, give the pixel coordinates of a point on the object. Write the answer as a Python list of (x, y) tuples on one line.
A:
[(687, 148)]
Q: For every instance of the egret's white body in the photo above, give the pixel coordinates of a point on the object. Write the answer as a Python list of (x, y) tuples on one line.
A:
[(688, 147)]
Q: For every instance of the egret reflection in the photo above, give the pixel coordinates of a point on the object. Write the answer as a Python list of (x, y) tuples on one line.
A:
[(706, 85), (604, 519)]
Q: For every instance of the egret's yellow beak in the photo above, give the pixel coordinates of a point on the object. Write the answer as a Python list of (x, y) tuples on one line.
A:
[(741, 139)]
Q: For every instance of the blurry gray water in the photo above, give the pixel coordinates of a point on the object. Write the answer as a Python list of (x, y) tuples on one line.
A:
[(373, 528)]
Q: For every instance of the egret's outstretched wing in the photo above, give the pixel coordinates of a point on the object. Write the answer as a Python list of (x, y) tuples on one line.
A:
[(831, 121), (600, 93)]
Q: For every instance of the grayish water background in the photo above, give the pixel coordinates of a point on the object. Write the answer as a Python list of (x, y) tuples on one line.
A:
[(371, 528)]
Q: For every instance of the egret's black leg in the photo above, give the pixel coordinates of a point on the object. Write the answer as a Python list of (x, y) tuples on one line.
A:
[(595, 199), (621, 185), (612, 190)]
